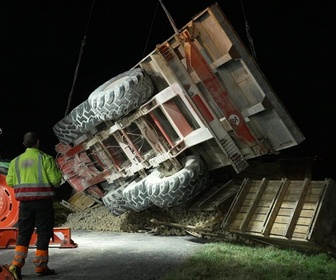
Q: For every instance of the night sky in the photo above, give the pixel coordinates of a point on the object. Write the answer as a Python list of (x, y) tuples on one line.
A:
[(41, 39)]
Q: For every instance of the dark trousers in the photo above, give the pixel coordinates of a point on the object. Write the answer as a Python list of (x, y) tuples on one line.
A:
[(39, 214)]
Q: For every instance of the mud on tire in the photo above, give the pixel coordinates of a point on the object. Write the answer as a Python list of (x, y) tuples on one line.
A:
[(114, 99), (66, 131), (80, 120), (122, 94), (178, 188), (137, 196), (84, 117), (115, 202)]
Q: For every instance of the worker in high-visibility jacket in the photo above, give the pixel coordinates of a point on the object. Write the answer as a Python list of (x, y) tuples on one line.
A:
[(33, 175)]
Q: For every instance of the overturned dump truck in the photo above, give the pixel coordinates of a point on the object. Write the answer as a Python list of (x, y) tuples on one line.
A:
[(150, 135), (196, 104)]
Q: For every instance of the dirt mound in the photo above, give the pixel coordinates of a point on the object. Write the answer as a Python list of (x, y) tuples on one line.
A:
[(154, 220)]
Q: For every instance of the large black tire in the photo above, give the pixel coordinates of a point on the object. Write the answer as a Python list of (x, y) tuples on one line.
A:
[(137, 196), (121, 95), (66, 131), (180, 187), (115, 202), (114, 99), (84, 117), (80, 120)]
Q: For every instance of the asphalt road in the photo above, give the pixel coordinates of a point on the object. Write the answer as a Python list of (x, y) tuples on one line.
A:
[(113, 256)]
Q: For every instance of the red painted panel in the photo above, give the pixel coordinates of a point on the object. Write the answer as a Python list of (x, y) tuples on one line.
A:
[(203, 109)]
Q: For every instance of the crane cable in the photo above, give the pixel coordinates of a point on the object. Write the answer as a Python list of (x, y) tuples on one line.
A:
[(79, 60), (171, 20), (150, 30), (248, 34)]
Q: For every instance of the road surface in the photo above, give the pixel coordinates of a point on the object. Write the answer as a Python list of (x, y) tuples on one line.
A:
[(113, 256)]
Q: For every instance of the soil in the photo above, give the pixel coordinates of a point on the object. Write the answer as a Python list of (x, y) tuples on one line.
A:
[(154, 220)]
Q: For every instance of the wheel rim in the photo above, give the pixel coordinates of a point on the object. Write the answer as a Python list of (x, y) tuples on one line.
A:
[(9, 206)]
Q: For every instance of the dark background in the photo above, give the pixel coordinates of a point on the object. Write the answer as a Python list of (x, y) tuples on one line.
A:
[(41, 39)]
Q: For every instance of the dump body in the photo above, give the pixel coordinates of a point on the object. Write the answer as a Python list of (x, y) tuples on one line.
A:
[(198, 102), (208, 70)]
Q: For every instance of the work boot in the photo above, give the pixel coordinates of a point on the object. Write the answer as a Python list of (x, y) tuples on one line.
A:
[(45, 272), (16, 272)]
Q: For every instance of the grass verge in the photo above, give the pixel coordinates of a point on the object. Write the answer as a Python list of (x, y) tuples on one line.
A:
[(240, 262)]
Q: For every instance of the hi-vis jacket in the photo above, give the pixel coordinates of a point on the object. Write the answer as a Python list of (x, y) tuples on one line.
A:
[(34, 175)]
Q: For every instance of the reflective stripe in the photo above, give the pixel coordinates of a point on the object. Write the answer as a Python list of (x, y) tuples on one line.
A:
[(34, 194), (31, 191), (41, 260), (17, 169), (20, 255), (39, 169), (29, 185)]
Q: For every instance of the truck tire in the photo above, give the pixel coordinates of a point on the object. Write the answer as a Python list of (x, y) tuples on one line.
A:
[(180, 187), (66, 131), (112, 100), (80, 120), (84, 117), (115, 202), (121, 95), (137, 196)]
